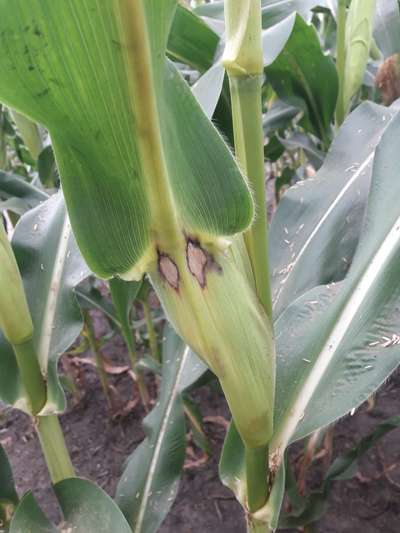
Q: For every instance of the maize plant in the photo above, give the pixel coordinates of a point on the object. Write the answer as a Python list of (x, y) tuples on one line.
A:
[(298, 321)]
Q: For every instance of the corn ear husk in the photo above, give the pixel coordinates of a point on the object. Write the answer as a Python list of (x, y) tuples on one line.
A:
[(217, 313)]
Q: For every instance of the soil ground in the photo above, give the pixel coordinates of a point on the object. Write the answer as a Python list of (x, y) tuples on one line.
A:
[(99, 445)]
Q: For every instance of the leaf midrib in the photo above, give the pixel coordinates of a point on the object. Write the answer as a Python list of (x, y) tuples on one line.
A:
[(158, 444)]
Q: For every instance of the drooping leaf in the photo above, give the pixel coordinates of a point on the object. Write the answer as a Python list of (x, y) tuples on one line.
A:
[(338, 343), (88, 509), (386, 29), (303, 71), (149, 483), (318, 221), (89, 297), (17, 194), (51, 266)]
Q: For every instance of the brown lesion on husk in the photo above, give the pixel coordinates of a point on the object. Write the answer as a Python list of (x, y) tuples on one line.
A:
[(200, 261), (168, 270)]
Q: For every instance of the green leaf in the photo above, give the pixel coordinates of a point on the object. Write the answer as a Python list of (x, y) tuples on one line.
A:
[(191, 41), (19, 194), (344, 467), (275, 38), (302, 70), (316, 227), (51, 266), (338, 343), (280, 116), (91, 298), (232, 472), (65, 53), (306, 143), (88, 509), (8, 494), (47, 167), (29, 517), (123, 294), (274, 149), (194, 415), (149, 483), (85, 506), (386, 29)]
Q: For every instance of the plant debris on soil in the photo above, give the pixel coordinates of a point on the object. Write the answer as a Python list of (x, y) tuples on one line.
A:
[(100, 442)]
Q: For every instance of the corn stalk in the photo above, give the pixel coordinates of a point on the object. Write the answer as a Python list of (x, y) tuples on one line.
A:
[(16, 324), (243, 61)]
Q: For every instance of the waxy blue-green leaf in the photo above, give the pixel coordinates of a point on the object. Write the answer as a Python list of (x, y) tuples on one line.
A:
[(280, 115), (318, 221), (386, 27), (51, 266), (302, 70), (150, 481), (338, 343), (17, 194), (72, 59), (304, 142), (273, 11)]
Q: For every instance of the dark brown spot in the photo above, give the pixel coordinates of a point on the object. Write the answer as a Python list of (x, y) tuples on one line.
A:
[(200, 261), (168, 270)]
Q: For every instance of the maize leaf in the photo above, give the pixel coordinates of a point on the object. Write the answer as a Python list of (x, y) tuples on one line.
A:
[(51, 266), (387, 23), (17, 194), (320, 219), (338, 343), (149, 484), (86, 509), (303, 72), (76, 84), (28, 516)]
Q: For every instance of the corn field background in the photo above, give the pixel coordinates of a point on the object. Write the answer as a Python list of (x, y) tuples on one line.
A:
[(199, 266)]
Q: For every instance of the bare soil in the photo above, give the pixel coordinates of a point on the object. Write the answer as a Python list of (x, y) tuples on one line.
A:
[(99, 445)]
